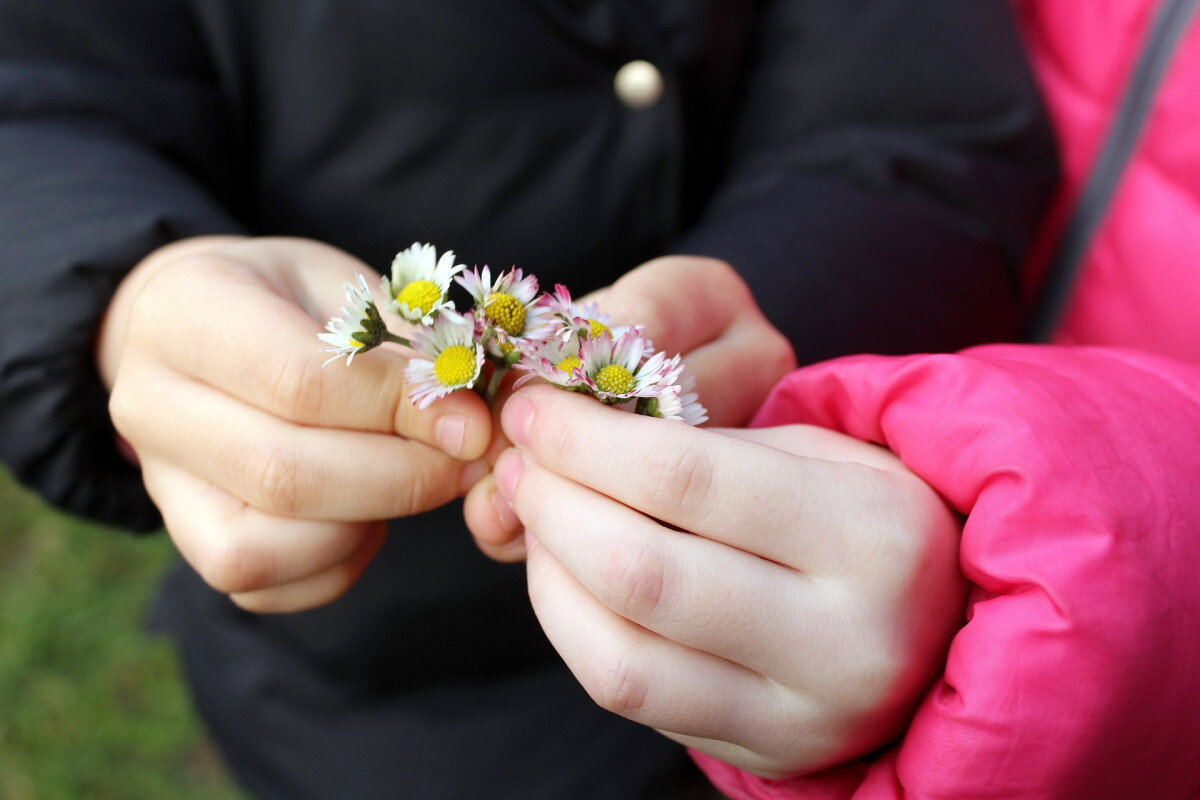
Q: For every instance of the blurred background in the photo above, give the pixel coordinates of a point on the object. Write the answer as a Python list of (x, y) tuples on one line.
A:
[(92, 707)]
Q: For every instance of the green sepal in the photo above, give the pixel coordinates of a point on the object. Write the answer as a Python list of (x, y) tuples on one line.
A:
[(648, 407), (368, 341)]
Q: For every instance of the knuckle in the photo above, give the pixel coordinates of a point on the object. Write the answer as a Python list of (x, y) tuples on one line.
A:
[(871, 663), (635, 580), (780, 353), (190, 275), (677, 477), (123, 409), (255, 602), (536, 586), (716, 278), (902, 548), (634, 299), (149, 305), (407, 416), (894, 548), (558, 440), (275, 473), (619, 685), (232, 567), (145, 318), (405, 412), (418, 493), (867, 682), (297, 388), (724, 273)]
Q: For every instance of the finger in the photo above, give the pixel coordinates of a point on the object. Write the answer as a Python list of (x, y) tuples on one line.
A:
[(510, 553), (813, 442), (803, 512), (702, 308), (736, 371), (499, 442), (488, 515), (684, 302), (685, 588), (638, 674), (252, 339), (238, 549), (693, 697), (811, 757), (285, 469), (493, 523), (317, 590), (917, 545)]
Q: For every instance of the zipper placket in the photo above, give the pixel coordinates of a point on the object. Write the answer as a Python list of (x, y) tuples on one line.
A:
[(1170, 23)]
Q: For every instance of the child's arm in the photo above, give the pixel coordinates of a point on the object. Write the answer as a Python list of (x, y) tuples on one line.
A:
[(114, 141), (271, 471), (776, 598)]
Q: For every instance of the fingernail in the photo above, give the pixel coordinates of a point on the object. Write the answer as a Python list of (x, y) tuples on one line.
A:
[(451, 433), (508, 471), (517, 415), (472, 473), (505, 513)]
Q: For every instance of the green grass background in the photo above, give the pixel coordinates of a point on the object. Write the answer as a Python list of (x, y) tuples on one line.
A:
[(91, 706)]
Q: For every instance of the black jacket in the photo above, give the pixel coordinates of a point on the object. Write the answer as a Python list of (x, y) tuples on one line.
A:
[(874, 169)]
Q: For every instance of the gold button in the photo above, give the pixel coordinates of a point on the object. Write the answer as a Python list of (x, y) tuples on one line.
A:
[(639, 85)]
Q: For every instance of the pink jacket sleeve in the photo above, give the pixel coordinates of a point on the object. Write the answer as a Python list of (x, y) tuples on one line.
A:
[(1077, 674)]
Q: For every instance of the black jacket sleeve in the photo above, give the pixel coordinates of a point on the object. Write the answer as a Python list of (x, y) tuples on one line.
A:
[(891, 161), (112, 143)]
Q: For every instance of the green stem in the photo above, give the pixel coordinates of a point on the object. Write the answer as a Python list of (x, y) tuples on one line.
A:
[(388, 336), (494, 384)]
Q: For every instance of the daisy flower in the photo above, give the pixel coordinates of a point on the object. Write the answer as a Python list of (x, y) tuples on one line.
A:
[(612, 369), (586, 320), (420, 283), (553, 360), (509, 308), (360, 327), (675, 399), (453, 359)]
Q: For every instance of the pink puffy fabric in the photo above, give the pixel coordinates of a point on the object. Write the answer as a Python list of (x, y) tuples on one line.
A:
[(1077, 674), (1138, 284)]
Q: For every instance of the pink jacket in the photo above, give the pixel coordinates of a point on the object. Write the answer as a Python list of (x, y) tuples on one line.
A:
[(1077, 464), (1139, 279)]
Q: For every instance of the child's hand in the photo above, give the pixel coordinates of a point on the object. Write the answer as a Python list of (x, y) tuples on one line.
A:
[(779, 598), (272, 473), (702, 309), (697, 307)]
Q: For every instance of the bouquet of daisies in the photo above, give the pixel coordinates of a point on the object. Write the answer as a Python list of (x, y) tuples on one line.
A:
[(510, 326)]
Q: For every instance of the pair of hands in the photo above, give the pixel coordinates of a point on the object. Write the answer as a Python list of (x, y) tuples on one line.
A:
[(776, 598), (275, 474)]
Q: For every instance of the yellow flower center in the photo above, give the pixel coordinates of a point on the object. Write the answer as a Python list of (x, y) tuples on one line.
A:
[(596, 328), (455, 366), (614, 379), (506, 347), (569, 363), (506, 311), (355, 343), (420, 296)]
